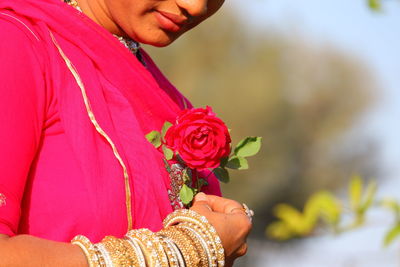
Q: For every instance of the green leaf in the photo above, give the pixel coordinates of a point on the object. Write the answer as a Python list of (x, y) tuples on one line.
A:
[(202, 182), (280, 231), (293, 219), (167, 166), (180, 160), (222, 174), (224, 161), (355, 192), (168, 153), (165, 128), (369, 196), (391, 235), (154, 137), (375, 5), (324, 205), (186, 194), (237, 163), (391, 204), (187, 175), (248, 147)]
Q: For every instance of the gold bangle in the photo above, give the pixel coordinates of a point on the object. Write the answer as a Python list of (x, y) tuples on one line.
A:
[(122, 254), (155, 255), (183, 242), (138, 250), (181, 216), (88, 248), (211, 249), (104, 254), (100, 256), (116, 253), (170, 252), (200, 243), (177, 252)]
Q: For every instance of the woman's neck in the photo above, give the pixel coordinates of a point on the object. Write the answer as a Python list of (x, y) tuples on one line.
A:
[(96, 10)]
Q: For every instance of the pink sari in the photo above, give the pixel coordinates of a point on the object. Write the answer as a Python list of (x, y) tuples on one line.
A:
[(74, 183)]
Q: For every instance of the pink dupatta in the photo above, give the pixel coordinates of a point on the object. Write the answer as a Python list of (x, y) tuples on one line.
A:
[(127, 100)]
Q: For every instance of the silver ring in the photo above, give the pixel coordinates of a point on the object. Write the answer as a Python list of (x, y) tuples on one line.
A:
[(249, 212)]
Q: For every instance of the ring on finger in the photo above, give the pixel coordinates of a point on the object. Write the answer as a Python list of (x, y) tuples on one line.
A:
[(245, 209), (249, 212)]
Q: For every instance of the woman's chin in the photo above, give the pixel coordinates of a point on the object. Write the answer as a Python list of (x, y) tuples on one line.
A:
[(158, 43), (159, 39)]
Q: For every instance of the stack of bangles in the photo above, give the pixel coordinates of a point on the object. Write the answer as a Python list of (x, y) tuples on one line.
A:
[(187, 239)]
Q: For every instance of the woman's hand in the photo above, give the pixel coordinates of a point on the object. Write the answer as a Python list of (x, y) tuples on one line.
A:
[(230, 221)]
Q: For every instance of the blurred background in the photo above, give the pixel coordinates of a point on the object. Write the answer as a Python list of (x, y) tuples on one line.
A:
[(320, 82)]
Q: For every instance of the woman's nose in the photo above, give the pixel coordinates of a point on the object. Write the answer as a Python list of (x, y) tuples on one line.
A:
[(194, 8)]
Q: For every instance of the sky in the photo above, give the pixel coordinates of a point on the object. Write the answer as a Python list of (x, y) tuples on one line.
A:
[(375, 38)]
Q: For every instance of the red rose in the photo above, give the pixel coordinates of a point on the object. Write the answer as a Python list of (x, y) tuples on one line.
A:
[(200, 138)]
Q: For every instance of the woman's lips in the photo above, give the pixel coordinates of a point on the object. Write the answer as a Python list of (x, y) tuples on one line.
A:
[(168, 21)]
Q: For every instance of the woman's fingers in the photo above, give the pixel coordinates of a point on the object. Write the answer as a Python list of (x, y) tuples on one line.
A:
[(201, 204), (242, 250), (230, 220), (220, 204)]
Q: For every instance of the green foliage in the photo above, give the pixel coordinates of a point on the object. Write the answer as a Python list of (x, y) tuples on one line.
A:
[(394, 232), (154, 137), (237, 163), (168, 153), (355, 190), (321, 206), (324, 207), (369, 196), (165, 128), (224, 161), (361, 198), (222, 174), (248, 147), (187, 176), (186, 194), (375, 5), (392, 205), (279, 231), (201, 183), (391, 235)]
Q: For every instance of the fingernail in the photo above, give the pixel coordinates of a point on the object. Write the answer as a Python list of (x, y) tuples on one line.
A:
[(201, 197)]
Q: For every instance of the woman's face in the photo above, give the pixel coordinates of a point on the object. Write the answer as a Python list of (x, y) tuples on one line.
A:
[(154, 22)]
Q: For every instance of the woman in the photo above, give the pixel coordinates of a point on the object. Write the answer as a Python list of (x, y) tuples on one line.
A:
[(75, 107)]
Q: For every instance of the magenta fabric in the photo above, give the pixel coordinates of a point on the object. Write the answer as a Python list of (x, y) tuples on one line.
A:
[(58, 176)]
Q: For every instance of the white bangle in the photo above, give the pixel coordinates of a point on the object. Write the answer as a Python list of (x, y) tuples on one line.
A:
[(178, 252), (106, 256), (134, 243), (202, 242)]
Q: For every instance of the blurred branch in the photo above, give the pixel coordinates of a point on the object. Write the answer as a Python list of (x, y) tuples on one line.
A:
[(324, 210)]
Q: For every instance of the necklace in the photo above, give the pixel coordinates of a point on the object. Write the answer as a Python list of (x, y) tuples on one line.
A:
[(73, 3), (130, 44)]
